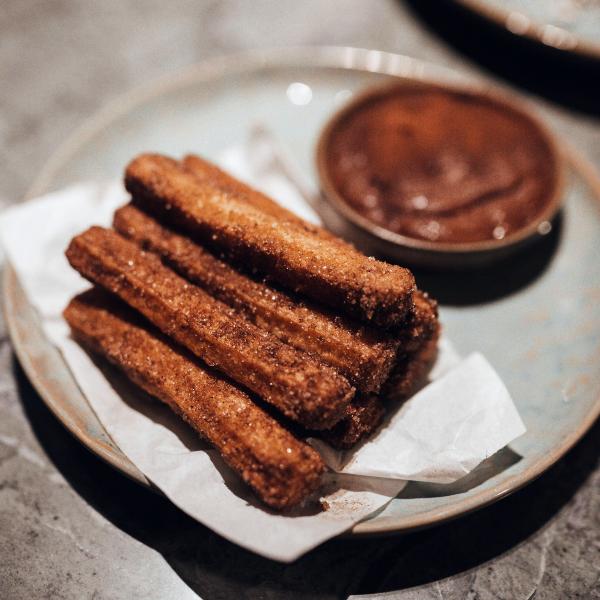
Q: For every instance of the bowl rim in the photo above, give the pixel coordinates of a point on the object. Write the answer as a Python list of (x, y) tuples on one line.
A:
[(335, 199)]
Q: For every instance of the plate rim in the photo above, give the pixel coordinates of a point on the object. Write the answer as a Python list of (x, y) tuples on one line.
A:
[(118, 460), (534, 30), (344, 57)]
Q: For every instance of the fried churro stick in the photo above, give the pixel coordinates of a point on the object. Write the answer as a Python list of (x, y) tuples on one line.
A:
[(421, 325), (364, 356), (282, 470), (418, 349), (207, 172), (363, 416), (325, 271), (301, 388), (365, 413), (410, 372)]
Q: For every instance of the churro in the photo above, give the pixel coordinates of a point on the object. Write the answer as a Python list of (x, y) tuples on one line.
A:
[(282, 470), (410, 372), (207, 172), (302, 388), (363, 355), (421, 325), (289, 254), (365, 413), (363, 416)]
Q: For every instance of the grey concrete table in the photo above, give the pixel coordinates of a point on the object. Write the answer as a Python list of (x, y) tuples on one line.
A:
[(70, 527)]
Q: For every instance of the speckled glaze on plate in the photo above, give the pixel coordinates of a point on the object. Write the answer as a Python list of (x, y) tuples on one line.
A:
[(567, 25), (543, 336)]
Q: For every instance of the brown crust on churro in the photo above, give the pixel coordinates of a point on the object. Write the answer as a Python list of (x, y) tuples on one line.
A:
[(303, 389), (207, 172), (363, 355), (281, 470), (420, 326), (410, 373), (364, 415), (335, 275)]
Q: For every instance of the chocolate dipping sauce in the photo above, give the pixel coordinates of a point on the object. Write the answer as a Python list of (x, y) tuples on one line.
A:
[(442, 165)]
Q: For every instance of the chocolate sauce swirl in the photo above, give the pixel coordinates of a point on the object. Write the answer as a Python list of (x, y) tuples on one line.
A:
[(442, 165)]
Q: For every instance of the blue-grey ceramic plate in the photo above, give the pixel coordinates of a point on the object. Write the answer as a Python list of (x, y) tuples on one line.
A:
[(567, 25), (537, 322)]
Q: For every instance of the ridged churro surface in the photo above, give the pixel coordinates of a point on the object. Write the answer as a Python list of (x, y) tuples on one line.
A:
[(330, 273), (410, 372), (421, 325), (207, 172), (303, 389), (364, 415), (282, 470), (363, 355)]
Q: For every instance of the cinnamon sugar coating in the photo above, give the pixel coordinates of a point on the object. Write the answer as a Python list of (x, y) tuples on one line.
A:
[(421, 325), (207, 172), (409, 373), (364, 415), (335, 275), (282, 470), (417, 352), (193, 255), (303, 389), (362, 354)]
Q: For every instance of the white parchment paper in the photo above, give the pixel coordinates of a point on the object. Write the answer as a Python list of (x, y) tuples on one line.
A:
[(442, 433)]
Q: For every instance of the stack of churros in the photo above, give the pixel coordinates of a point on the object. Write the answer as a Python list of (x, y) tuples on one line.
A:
[(257, 328)]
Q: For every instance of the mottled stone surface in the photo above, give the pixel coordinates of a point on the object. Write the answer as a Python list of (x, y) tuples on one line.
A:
[(71, 527)]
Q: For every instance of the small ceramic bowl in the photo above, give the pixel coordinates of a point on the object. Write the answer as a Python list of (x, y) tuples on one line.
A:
[(340, 216)]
